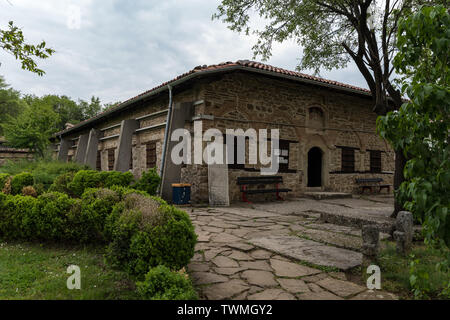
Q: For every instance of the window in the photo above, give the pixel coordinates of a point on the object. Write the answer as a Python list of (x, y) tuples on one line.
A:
[(111, 156), (283, 156), (234, 164), (375, 161), (151, 154), (348, 159), (99, 161), (131, 159)]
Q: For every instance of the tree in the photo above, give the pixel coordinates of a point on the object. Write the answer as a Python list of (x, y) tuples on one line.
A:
[(13, 42), (32, 128), (10, 103), (90, 109), (333, 33), (421, 127)]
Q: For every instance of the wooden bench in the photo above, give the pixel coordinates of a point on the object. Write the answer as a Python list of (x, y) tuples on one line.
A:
[(372, 184), (245, 182)]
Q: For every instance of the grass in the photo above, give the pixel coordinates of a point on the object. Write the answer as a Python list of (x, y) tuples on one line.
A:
[(31, 271), (395, 271)]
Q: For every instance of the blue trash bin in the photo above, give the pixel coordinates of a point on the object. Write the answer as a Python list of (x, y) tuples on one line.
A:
[(181, 193)]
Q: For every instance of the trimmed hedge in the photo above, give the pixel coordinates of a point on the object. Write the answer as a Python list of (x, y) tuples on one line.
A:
[(149, 233), (163, 284), (149, 182), (21, 180), (86, 179)]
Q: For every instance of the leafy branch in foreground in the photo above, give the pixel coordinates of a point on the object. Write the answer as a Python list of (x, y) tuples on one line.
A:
[(12, 41)]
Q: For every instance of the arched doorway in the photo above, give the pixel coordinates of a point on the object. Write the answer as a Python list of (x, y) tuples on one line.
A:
[(315, 167)]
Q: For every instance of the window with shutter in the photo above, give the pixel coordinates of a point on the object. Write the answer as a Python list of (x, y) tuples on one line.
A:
[(151, 154), (348, 159), (111, 158), (375, 161), (99, 161)]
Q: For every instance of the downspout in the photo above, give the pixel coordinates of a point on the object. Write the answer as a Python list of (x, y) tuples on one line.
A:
[(166, 138)]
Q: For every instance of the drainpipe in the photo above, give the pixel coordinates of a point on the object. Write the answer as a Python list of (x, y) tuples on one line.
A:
[(166, 138)]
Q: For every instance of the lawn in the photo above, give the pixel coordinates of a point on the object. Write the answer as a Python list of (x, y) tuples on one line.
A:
[(36, 271)]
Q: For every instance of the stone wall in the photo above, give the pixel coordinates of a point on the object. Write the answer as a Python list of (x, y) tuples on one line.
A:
[(11, 154)]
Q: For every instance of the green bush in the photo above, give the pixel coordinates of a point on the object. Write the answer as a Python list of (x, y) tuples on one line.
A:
[(148, 234), (83, 180), (14, 210), (115, 178), (163, 284), (149, 182), (96, 206), (86, 179), (61, 183), (3, 178), (21, 180), (48, 220)]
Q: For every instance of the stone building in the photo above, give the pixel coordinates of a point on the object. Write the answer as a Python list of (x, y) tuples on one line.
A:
[(12, 154), (327, 129)]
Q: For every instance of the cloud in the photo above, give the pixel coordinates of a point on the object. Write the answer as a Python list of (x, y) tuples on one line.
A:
[(117, 49)]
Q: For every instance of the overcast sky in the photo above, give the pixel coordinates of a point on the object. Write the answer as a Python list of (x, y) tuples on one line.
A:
[(117, 49)]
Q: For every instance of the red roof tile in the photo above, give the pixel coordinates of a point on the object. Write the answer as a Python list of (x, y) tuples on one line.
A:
[(245, 64)]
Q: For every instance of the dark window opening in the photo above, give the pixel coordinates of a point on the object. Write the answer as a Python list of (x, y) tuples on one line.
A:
[(315, 167), (375, 161), (234, 164), (283, 156), (111, 158), (348, 159), (151, 154), (131, 159), (99, 161), (69, 158)]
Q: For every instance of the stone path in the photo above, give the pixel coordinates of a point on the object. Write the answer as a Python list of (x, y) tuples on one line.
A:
[(275, 251)]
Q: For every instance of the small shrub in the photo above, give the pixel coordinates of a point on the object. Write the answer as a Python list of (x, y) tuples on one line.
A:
[(48, 220), (115, 178), (7, 186), (83, 180), (3, 178), (163, 284), (86, 179), (29, 191), (61, 183), (21, 180), (148, 234), (149, 182), (96, 206), (14, 211)]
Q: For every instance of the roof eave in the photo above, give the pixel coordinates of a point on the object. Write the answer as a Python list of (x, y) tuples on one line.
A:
[(207, 72)]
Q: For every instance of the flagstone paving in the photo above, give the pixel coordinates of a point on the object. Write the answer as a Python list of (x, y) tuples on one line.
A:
[(280, 250)]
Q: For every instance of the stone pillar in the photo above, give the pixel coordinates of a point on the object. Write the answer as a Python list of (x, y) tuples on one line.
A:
[(63, 149), (123, 155), (218, 192), (81, 148), (90, 158), (404, 231), (371, 242)]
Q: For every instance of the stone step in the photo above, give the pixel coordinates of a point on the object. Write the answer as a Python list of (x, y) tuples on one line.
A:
[(327, 195), (385, 225), (309, 251)]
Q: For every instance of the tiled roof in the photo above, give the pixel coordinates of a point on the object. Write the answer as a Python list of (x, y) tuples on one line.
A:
[(243, 64)]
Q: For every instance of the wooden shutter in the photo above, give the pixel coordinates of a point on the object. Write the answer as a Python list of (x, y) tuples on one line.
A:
[(111, 157), (235, 164), (348, 160), (283, 156), (131, 159), (99, 161), (375, 161), (151, 154)]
